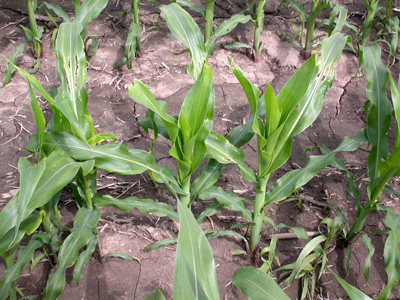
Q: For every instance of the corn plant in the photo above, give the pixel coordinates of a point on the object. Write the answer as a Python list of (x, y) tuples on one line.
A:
[(34, 34), (133, 45), (183, 28), (337, 17), (312, 261), (258, 27), (288, 114)]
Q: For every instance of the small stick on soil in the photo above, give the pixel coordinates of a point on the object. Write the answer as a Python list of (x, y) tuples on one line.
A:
[(13, 23), (311, 200)]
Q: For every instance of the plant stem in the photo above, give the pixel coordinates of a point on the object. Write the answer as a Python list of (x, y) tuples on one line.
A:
[(36, 47), (259, 25), (186, 187), (135, 8), (258, 215), (87, 193), (369, 206), (366, 28), (208, 20), (77, 6)]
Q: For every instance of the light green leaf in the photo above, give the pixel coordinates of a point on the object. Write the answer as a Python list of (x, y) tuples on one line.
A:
[(379, 114), (39, 119), (157, 295), (84, 258), (72, 98), (29, 179), (227, 199), (12, 61), (194, 275), (288, 183), (81, 234), (14, 272), (189, 4), (224, 152), (257, 285), (115, 158), (300, 262), (146, 206), (351, 291), (391, 253), (141, 94), (158, 244), (225, 28), (131, 44), (60, 170), (371, 250), (57, 9), (183, 28), (89, 10)]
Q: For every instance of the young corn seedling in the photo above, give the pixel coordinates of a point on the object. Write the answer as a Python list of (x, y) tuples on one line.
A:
[(258, 27), (312, 261), (337, 17), (34, 34), (133, 45), (183, 28)]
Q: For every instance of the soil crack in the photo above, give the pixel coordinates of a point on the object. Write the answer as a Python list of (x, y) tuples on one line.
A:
[(339, 104)]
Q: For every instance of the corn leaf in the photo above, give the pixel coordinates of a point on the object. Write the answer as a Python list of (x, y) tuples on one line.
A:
[(72, 98), (157, 295), (351, 291), (189, 4), (194, 275), (207, 177), (158, 244), (302, 261), (225, 28), (29, 179), (10, 69), (391, 253), (81, 234), (183, 28), (115, 158), (146, 206), (141, 94), (60, 170), (396, 107), (279, 144), (224, 152), (27, 227), (288, 183), (57, 9), (371, 251), (39, 119), (131, 44), (227, 199), (194, 125), (14, 272), (34, 83), (88, 11), (84, 258), (257, 285), (379, 114)]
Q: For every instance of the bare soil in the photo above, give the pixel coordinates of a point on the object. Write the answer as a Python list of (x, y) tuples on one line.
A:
[(165, 74)]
